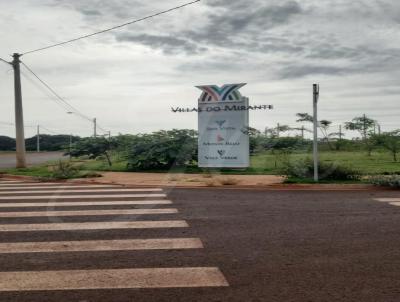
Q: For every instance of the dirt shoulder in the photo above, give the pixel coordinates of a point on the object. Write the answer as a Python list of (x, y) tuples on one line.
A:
[(263, 182), (188, 180), (252, 182)]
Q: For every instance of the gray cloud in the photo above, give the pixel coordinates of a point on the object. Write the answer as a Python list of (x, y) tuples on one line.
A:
[(298, 71), (225, 27), (232, 22), (168, 44)]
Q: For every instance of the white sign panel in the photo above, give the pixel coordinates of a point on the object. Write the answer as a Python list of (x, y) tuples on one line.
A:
[(223, 127)]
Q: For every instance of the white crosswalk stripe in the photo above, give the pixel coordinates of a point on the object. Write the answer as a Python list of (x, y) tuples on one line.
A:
[(20, 195), (109, 225), (60, 196), (101, 245), (10, 181), (393, 201), (388, 199), (88, 213), (50, 186), (78, 191), (109, 279), (84, 203)]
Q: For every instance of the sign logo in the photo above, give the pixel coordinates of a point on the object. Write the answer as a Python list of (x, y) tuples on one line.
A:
[(221, 152), (220, 138), (226, 93), (220, 123)]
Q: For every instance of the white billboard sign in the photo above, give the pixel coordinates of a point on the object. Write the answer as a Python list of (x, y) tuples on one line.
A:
[(223, 127)]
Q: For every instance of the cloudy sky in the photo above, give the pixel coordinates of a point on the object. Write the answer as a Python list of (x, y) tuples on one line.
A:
[(130, 78)]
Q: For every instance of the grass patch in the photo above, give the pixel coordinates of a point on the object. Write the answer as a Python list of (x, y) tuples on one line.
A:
[(266, 163), (296, 180), (63, 170)]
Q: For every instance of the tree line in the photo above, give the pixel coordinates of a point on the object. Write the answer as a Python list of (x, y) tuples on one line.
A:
[(47, 142)]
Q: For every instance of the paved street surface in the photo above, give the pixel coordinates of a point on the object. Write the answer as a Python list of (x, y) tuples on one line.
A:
[(109, 243), (7, 159)]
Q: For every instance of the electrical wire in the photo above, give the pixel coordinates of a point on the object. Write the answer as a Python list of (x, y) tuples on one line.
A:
[(48, 130), (69, 106), (7, 124), (112, 28), (59, 100), (45, 92), (5, 61)]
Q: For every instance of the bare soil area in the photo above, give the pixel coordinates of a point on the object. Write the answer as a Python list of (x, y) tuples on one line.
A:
[(188, 180)]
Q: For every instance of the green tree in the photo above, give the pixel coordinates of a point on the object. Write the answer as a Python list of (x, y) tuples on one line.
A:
[(390, 141), (93, 148), (7, 143), (275, 132), (365, 126), (323, 125), (163, 150), (50, 142)]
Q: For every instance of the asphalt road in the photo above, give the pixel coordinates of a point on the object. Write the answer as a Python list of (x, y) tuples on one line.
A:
[(256, 246), (7, 159)]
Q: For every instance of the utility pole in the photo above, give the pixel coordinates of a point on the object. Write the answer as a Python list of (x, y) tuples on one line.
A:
[(340, 132), (278, 130), (38, 139), (19, 116), (365, 126), (70, 146), (315, 120), (109, 135), (302, 132), (95, 127)]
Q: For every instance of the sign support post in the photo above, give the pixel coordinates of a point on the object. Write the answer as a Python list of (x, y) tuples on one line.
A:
[(315, 120)]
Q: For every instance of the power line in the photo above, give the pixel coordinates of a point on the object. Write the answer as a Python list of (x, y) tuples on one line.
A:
[(45, 92), (9, 63), (7, 123), (64, 102), (112, 28), (60, 100), (48, 130), (29, 126)]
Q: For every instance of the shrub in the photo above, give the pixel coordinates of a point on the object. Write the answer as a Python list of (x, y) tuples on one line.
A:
[(392, 181), (229, 181), (64, 170), (93, 148), (163, 150), (327, 171)]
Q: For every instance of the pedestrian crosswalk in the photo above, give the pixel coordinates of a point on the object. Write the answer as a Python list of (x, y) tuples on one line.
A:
[(29, 209)]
